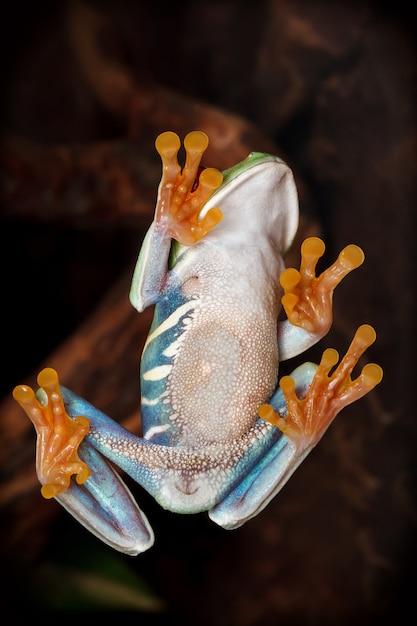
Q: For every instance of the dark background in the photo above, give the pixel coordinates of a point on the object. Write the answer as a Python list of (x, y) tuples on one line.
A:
[(86, 88)]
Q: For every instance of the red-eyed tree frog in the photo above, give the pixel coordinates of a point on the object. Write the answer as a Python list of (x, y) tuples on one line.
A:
[(219, 433)]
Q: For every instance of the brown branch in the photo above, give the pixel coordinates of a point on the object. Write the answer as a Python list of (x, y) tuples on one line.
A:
[(99, 182)]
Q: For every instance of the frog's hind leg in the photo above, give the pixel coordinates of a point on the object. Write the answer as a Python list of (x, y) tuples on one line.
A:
[(302, 412), (98, 498), (272, 472), (105, 506)]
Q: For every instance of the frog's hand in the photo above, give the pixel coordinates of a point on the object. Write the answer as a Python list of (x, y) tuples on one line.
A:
[(303, 421), (307, 299), (98, 497), (181, 196)]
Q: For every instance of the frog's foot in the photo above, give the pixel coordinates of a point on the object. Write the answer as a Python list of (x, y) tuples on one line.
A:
[(58, 435), (182, 194), (308, 418), (307, 299)]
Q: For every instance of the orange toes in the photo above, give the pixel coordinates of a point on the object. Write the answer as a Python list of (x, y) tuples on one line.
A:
[(59, 436), (182, 194)]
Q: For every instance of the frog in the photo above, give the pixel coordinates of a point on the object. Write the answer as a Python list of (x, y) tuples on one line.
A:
[(220, 432)]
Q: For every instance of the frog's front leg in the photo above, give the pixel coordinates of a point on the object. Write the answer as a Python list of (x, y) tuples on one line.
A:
[(181, 195), (302, 412), (98, 498), (307, 298)]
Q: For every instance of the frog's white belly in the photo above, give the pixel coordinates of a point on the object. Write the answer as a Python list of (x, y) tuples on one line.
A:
[(214, 359), (220, 376)]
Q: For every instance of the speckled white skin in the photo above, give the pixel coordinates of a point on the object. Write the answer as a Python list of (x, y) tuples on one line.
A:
[(225, 361)]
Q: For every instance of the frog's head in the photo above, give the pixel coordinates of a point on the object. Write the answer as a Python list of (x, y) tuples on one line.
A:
[(258, 199)]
